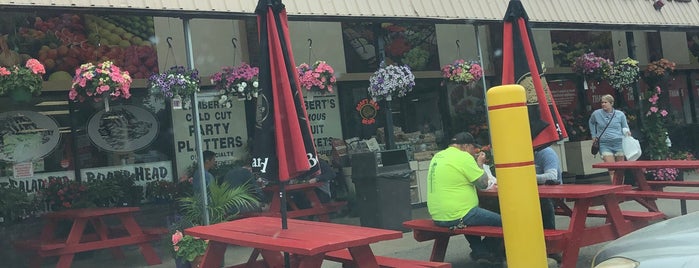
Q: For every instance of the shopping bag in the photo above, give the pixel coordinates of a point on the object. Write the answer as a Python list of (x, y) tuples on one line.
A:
[(631, 147)]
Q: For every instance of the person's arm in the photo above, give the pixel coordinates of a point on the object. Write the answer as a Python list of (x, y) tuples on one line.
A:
[(624, 124), (547, 159), (550, 176), (592, 123), (482, 181)]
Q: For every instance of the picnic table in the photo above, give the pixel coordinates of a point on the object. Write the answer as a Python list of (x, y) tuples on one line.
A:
[(317, 209), (103, 237), (308, 241), (569, 240), (648, 191)]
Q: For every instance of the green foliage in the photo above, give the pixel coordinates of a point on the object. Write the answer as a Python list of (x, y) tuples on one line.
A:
[(222, 200), (187, 246), (104, 193), (161, 189), (14, 204)]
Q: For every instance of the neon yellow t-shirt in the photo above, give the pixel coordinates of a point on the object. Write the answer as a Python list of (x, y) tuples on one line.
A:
[(451, 190)]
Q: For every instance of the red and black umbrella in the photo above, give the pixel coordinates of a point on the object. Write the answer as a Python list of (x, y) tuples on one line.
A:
[(283, 146), (521, 65)]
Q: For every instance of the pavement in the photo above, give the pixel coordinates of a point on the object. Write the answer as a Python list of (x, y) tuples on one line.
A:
[(405, 247)]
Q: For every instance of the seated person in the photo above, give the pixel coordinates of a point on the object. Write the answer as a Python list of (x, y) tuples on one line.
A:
[(453, 179), (326, 175)]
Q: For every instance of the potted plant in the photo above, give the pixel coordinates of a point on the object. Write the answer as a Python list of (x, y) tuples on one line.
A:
[(625, 74), (654, 127), (160, 191), (462, 72), (222, 204), (188, 250), (239, 81), (175, 83), (21, 83), (391, 80), (592, 67), (15, 205), (319, 77), (63, 194), (100, 82), (658, 71)]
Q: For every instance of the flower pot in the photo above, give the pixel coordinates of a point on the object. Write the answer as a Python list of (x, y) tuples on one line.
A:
[(182, 263), (20, 95), (579, 160)]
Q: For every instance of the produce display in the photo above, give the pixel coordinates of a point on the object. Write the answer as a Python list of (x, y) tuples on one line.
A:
[(65, 41)]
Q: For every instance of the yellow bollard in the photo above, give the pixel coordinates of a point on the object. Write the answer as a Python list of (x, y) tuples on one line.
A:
[(517, 188)]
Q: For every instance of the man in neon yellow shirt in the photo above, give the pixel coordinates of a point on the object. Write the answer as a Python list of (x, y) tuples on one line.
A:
[(453, 180)]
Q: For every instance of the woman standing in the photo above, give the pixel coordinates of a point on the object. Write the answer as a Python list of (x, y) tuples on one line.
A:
[(609, 139)]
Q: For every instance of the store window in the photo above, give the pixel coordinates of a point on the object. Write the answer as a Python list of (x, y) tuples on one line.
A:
[(693, 46), (567, 45)]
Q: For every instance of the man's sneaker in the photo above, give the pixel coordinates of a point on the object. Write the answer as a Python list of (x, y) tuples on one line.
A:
[(485, 259)]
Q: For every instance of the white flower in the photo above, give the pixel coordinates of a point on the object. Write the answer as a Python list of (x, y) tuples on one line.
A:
[(254, 94), (244, 84), (229, 104), (255, 85), (223, 98), (241, 88), (222, 91)]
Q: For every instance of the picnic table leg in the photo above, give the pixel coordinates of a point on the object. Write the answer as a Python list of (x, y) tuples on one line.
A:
[(439, 249), (615, 217), (76, 233), (314, 261), (213, 255), (363, 256), (273, 258), (683, 206), (576, 227), (146, 248), (618, 178), (102, 232)]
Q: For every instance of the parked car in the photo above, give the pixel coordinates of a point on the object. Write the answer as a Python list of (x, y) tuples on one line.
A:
[(673, 243)]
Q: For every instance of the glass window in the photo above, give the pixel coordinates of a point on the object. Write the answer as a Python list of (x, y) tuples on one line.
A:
[(567, 45)]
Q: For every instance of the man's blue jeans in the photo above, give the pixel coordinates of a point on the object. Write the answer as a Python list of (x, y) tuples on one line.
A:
[(480, 217)]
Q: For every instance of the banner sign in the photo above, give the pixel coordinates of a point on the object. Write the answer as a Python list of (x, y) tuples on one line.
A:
[(33, 184), (144, 172), (324, 116)]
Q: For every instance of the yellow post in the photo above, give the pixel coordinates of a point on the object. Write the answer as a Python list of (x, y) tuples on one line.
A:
[(517, 188)]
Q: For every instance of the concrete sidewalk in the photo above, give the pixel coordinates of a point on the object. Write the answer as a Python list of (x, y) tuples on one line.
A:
[(406, 247)]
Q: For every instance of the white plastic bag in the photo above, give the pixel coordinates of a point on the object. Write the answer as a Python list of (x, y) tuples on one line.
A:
[(631, 147), (492, 181)]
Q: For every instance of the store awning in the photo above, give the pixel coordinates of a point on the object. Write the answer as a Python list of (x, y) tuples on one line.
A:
[(583, 14)]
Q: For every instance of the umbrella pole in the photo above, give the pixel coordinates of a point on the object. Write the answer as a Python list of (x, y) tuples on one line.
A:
[(282, 195)]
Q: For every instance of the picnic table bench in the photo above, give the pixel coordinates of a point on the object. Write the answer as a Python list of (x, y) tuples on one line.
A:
[(425, 230), (648, 191), (345, 257)]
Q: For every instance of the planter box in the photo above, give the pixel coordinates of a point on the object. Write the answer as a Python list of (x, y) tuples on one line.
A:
[(579, 160)]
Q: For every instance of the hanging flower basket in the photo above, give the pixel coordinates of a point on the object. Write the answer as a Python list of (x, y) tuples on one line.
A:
[(591, 67), (658, 71), (625, 74), (100, 82), (239, 81), (21, 83), (462, 72), (319, 77), (176, 83), (391, 80)]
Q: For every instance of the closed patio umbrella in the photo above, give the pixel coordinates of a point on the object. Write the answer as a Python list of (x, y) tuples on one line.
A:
[(521, 65), (283, 146)]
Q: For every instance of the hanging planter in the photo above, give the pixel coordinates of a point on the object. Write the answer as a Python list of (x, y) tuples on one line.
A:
[(462, 72), (21, 83), (390, 80), (102, 82), (625, 74), (176, 85), (592, 68), (239, 82), (320, 77)]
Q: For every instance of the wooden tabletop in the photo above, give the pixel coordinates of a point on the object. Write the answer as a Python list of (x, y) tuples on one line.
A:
[(649, 164), (574, 191), (89, 212), (301, 237), (291, 187)]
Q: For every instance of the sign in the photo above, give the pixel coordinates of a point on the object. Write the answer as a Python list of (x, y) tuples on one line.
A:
[(144, 172), (324, 117), (23, 170), (26, 136), (124, 128), (565, 94), (223, 131), (37, 182), (368, 109)]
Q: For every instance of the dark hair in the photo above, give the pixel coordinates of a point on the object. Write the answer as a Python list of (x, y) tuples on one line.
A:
[(208, 155)]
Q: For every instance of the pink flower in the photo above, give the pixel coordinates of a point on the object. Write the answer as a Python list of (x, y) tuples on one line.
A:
[(654, 109), (176, 237), (663, 113), (4, 71), (35, 66)]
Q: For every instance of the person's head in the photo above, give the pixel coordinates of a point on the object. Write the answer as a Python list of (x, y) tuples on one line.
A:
[(209, 159), (607, 102), (464, 141)]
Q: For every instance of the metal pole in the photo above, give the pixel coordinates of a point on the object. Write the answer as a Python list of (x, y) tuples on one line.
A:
[(197, 134), (485, 89)]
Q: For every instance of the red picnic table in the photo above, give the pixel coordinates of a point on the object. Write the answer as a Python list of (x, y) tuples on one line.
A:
[(104, 236), (648, 191), (318, 209), (307, 240), (580, 235)]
